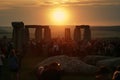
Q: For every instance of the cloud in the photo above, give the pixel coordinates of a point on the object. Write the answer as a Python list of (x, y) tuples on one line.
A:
[(79, 2), (7, 4), (4, 5)]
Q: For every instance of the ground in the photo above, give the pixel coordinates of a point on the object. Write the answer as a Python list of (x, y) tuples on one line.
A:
[(29, 63), (27, 71)]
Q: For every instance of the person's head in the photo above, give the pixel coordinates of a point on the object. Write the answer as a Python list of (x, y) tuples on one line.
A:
[(46, 67), (55, 65), (40, 69), (12, 53)]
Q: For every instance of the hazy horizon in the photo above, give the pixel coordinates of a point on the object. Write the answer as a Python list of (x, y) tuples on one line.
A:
[(97, 32)]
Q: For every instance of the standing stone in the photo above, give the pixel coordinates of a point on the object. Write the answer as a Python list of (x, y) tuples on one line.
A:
[(18, 35), (47, 34), (67, 34), (77, 34), (38, 34), (87, 33), (27, 36)]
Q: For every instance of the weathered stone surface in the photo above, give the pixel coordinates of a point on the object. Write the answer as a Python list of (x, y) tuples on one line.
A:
[(38, 34), (47, 34), (87, 33), (93, 59), (77, 34), (67, 34), (70, 64), (114, 62), (18, 35)]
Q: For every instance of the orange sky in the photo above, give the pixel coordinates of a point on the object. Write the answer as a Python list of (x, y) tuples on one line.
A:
[(92, 12)]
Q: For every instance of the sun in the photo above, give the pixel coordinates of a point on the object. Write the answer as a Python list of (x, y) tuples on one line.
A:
[(59, 16)]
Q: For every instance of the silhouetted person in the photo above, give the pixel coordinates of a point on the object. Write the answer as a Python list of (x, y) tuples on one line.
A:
[(116, 74), (4, 44), (13, 65), (1, 63), (103, 73), (52, 72), (39, 72)]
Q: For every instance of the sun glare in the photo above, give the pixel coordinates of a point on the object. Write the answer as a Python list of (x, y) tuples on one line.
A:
[(59, 16)]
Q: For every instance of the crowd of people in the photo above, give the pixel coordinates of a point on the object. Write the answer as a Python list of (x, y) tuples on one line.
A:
[(107, 47), (9, 61), (9, 56), (83, 48)]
